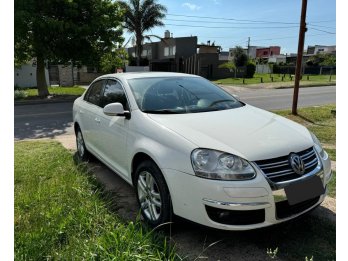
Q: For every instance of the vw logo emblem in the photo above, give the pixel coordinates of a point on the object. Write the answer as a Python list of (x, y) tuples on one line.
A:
[(296, 163)]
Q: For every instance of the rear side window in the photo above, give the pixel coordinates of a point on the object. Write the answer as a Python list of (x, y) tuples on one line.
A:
[(113, 92), (94, 92)]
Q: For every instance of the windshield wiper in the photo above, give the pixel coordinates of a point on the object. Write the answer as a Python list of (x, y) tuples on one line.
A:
[(163, 111)]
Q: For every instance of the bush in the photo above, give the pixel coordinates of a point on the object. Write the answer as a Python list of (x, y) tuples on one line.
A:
[(250, 69), (20, 94)]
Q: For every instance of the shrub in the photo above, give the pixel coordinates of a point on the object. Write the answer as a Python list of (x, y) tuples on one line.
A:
[(20, 94), (250, 69)]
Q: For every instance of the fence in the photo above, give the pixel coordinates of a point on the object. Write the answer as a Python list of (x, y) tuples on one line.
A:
[(316, 70), (263, 68)]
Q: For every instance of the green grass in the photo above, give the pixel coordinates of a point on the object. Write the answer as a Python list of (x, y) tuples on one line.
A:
[(332, 185), (317, 119), (75, 90), (313, 79), (332, 153), (306, 236), (61, 213)]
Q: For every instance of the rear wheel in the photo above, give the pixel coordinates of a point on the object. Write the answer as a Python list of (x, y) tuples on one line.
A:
[(152, 194), (82, 152)]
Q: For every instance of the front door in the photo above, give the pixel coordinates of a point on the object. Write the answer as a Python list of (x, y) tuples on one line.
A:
[(114, 129)]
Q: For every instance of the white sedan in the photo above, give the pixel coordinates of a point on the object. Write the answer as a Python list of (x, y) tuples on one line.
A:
[(192, 149)]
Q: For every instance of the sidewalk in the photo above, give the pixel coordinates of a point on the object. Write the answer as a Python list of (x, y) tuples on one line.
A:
[(50, 99)]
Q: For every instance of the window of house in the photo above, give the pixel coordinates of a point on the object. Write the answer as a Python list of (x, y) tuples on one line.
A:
[(265, 52), (113, 92), (169, 50), (144, 53)]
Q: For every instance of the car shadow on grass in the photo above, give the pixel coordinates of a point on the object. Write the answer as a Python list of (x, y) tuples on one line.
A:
[(306, 236)]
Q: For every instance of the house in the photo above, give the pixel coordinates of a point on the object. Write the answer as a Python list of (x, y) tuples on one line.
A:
[(183, 54), (169, 53), (25, 76), (254, 52), (281, 58), (224, 56), (328, 49), (265, 52)]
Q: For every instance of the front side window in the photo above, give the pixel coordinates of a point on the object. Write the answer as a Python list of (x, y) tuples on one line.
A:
[(180, 95), (94, 92), (113, 92)]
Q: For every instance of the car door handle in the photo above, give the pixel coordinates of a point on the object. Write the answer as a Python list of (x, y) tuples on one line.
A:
[(97, 120), (81, 111)]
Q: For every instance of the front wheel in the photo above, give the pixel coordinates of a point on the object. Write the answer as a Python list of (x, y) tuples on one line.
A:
[(82, 152), (152, 194)]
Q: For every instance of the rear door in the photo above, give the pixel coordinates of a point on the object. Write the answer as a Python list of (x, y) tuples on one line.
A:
[(89, 111)]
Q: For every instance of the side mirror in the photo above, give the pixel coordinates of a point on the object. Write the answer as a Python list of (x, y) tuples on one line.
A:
[(116, 109)]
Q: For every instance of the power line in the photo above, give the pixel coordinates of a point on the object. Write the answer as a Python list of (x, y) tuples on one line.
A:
[(322, 26), (232, 27), (233, 19), (214, 22), (321, 30), (247, 20)]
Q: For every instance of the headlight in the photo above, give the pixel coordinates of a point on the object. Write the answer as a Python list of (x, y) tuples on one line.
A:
[(212, 164), (317, 145)]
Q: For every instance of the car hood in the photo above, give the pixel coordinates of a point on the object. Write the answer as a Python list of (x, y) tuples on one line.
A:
[(248, 132)]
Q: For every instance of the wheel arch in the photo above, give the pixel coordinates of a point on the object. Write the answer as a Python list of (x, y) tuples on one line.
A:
[(76, 127), (137, 159)]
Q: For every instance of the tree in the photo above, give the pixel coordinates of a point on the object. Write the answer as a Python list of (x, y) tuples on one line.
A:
[(229, 65), (322, 59), (140, 17), (239, 56), (64, 31), (109, 62)]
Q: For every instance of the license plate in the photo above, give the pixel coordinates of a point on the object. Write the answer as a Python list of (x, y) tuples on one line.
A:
[(304, 190)]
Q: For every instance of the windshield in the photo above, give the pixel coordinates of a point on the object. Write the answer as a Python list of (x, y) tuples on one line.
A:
[(180, 95)]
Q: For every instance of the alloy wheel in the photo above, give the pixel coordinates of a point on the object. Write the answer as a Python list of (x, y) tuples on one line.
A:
[(80, 144), (149, 196)]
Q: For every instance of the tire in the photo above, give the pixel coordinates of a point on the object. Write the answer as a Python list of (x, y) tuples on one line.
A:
[(82, 151), (152, 194)]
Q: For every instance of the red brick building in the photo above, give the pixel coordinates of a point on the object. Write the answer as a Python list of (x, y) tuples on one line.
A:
[(267, 51)]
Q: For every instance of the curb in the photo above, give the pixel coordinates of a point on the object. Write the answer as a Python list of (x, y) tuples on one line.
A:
[(34, 102)]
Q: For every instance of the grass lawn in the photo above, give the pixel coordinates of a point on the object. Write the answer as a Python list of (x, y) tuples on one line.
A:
[(322, 123), (75, 90), (266, 78), (61, 213)]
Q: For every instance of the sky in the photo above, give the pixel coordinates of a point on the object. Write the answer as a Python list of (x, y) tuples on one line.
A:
[(267, 22)]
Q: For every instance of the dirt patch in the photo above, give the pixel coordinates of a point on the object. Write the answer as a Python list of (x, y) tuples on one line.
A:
[(195, 242)]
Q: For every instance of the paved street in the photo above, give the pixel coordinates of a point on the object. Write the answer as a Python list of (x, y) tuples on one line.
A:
[(49, 120), (273, 99), (42, 121)]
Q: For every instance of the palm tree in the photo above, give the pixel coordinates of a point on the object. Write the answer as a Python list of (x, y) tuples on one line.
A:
[(142, 16)]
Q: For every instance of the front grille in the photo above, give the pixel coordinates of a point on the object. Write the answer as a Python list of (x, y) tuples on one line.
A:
[(236, 217), (284, 210), (279, 169)]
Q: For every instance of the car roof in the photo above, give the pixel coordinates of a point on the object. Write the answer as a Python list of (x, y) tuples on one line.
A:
[(134, 75)]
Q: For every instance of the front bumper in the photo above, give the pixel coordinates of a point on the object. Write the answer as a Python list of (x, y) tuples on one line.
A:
[(208, 202)]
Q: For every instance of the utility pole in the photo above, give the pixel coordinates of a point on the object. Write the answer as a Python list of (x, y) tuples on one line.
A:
[(301, 39), (249, 46)]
